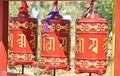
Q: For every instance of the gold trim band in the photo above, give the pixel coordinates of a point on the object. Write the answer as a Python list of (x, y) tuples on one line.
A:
[(88, 64), (53, 61), (26, 25), (88, 27), (57, 27), (23, 57)]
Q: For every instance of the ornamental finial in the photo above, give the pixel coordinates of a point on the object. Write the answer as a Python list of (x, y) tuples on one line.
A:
[(23, 9)]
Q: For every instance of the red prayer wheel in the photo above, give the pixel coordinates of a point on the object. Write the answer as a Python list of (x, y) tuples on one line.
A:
[(55, 41), (91, 44), (23, 31)]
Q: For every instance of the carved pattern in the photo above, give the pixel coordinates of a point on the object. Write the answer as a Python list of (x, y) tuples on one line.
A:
[(88, 27), (33, 42), (53, 61), (13, 56), (11, 39), (94, 46), (80, 45), (25, 25), (21, 41), (57, 27), (64, 43), (48, 43), (105, 46), (88, 64)]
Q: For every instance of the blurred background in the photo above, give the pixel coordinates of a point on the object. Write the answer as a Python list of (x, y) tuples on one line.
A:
[(69, 10)]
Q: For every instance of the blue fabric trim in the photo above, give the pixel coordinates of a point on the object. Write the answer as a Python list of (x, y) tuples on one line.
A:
[(51, 15)]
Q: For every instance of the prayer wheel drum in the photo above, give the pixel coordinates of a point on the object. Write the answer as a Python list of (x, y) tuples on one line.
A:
[(91, 44), (23, 31), (55, 42)]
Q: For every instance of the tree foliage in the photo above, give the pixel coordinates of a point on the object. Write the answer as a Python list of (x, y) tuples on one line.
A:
[(104, 9)]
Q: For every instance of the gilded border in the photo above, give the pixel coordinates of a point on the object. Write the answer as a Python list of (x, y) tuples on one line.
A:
[(88, 27), (57, 27), (25, 25), (25, 57), (87, 64), (53, 61)]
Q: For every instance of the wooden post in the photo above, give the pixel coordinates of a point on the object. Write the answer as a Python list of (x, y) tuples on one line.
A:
[(117, 40), (3, 34), (54, 72), (89, 74), (23, 69)]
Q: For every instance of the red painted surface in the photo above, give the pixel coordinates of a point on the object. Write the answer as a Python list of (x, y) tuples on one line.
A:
[(3, 57), (91, 45), (23, 30), (55, 44), (117, 40), (3, 35)]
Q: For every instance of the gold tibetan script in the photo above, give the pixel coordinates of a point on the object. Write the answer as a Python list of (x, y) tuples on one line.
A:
[(11, 38), (80, 45), (63, 45), (33, 42), (21, 41), (48, 43), (94, 45), (105, 45)]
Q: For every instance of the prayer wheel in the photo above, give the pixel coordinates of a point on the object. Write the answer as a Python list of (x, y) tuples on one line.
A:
[(55, 41), (23, 31), (91, 44)]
